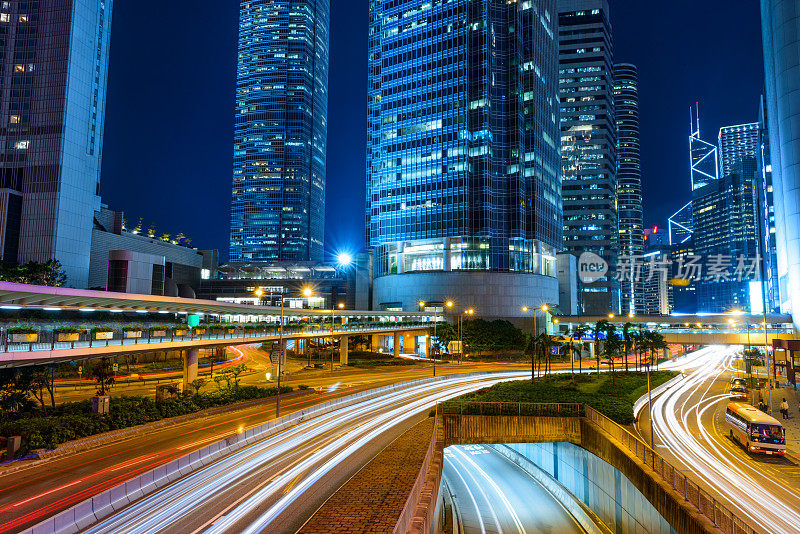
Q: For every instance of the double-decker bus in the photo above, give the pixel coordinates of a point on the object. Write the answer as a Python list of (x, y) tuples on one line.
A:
[(754, 429)]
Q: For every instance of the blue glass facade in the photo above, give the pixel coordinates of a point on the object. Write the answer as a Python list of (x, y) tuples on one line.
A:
[(54, 55), (278, 194), (462, 158)]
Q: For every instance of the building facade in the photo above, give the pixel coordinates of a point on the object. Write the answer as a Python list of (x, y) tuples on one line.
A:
[(779, 20), (765, 215), (280, 131), (735, 142), (629, 179), (463, 179), (55, 65), (589, 143)]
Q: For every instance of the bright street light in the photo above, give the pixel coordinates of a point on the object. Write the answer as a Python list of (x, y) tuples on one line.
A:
[(344, 259), (307, 292)]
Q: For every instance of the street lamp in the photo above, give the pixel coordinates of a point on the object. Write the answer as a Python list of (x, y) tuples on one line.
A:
[(470, 311), (448, 304), (333, 321)]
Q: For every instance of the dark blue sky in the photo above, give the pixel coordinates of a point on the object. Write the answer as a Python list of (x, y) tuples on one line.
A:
[(169, 122)]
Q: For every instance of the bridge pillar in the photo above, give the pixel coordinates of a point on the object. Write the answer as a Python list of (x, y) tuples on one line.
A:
[(375, 342), (409, 343), (190, 358), (344, 342), (397, 344), (591, 351), (427, 345)]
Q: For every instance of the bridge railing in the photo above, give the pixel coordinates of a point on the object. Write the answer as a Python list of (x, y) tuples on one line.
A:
[(15, 339), (723, 518)]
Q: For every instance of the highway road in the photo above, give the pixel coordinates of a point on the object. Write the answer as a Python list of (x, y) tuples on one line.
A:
[(273, 485), (493, 495), (692, 434), (32, 492)]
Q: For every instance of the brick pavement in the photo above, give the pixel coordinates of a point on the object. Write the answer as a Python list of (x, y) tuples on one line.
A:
[(373, 499)]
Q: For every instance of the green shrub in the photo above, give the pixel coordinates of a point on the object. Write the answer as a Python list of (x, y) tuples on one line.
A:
[(22, 330), (133, 328), (68, 330), (97, 329)]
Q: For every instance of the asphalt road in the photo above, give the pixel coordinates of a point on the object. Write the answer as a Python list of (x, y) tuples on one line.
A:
[(494, 495), (692, 434), (272, 486), (37, 491)]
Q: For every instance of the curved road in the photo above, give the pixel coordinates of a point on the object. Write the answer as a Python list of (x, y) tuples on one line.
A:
[(494, 495), (692, 434), (272, 485)]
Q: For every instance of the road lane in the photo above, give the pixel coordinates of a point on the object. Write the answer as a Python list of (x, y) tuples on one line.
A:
[(261, 488), (494, 495)]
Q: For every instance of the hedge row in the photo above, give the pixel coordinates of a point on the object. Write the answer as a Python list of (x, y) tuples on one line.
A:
[(75, 420)]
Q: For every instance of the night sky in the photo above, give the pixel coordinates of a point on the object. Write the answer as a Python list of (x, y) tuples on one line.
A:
[(169, 121)]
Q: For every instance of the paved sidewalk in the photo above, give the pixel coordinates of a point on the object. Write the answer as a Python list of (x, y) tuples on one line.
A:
[(792, 424)]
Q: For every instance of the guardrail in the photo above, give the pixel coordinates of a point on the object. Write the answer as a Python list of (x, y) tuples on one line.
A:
[(512, 408), (48, 340)]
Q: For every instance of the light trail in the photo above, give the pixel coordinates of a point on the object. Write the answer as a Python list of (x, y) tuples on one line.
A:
[(285, 465), (681, 418)]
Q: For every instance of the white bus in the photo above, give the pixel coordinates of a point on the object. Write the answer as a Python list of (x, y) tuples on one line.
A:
[(754, 429)]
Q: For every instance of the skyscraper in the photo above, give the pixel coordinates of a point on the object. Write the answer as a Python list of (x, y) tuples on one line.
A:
[(765, 214), (734, 143), (589, 142), (782, 70), (463, 189), (280, 132), (629, 178), (55, 64)]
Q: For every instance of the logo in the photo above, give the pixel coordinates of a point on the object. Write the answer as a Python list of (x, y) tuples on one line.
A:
[(591, 267)]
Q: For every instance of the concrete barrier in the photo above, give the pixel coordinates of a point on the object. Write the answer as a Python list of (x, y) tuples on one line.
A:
[(114, 499)]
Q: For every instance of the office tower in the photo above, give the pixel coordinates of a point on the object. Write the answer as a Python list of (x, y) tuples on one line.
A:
[(280, 132), (736, 142), (55, 63), (765, 214), (680, 225), (589, 143), (725, 231), (629, 178), (704, 158), (463, 190)]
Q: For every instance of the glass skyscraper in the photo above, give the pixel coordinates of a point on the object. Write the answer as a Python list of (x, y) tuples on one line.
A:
[(280, 132), (54, 55), (589, 143), (463, 178), (735, 142), (629, 179)]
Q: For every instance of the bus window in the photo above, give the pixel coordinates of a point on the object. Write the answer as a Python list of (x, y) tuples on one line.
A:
[(767, 431)]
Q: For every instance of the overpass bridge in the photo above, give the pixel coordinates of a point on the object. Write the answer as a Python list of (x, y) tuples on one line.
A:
[(64, 336), (720, 329)]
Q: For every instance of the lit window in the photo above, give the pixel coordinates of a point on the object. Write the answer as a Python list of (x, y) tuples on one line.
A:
[(14, 119), (19, 68), (22, 145), (4, 17), (23, 18)]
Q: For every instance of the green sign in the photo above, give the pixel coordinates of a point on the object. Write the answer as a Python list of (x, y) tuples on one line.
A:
[(193, 320)]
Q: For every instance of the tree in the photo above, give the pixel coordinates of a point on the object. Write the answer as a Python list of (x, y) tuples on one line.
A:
[(43, 382), (628, 338), (16, 387), (611, 349), (49, 273), (197, 384), (579, 331), (103, 375), (599, 329)]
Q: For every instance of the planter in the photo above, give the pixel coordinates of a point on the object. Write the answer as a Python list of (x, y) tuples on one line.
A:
[(179, 332), (200, 331), (158, 333), (103, 335), (24, 338), (231, 330), (131, 334), (71, 336)]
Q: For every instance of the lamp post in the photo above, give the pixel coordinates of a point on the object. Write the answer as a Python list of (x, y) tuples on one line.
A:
[(461, 332), (448, 304)]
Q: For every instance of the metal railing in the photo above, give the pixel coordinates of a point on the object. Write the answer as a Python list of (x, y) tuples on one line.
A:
[(48, 340), (457, 407), (706, 504)]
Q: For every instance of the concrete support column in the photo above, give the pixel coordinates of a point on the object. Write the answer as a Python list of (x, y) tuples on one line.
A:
[(591, 351), (397, 344), (344, 343), (375, 342), (427, 345), (190, 358), (409, 343)]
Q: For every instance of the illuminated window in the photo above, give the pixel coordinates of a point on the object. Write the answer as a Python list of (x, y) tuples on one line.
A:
[(14, 119), (23, 18), (22, 145), (4, 17)]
